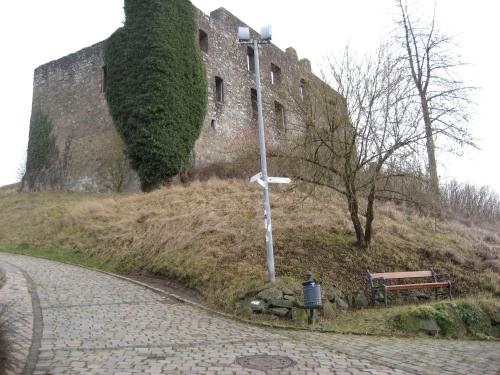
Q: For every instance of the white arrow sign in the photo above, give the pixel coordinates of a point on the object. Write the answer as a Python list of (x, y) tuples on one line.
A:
[(256, 177), (278, 180), (271, 180)]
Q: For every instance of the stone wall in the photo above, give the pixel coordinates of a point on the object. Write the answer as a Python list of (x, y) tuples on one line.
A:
[(90, 152)]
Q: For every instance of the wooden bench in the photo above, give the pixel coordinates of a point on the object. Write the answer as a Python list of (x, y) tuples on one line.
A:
[(377, 282)]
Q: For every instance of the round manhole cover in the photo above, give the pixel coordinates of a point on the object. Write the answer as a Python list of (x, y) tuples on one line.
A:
[(265, 362)]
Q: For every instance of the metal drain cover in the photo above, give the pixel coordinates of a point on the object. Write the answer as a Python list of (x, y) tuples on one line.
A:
[(265, 362)]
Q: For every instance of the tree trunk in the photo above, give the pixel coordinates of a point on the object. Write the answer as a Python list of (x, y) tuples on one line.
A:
[(370, 215), (353, 206), (431, 148)]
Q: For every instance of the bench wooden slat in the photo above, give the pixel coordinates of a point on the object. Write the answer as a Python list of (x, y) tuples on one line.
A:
[(402, 275), (417, 286), (378, 283)]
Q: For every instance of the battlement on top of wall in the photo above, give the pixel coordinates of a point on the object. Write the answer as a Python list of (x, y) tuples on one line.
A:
[(224, 16), (226, 21)]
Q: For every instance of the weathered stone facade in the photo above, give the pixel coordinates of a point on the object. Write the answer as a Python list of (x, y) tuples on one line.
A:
[(89, 150), (90, 157)]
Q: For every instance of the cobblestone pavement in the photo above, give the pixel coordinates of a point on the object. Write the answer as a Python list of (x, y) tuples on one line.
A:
[(18, 317), (97, 324)]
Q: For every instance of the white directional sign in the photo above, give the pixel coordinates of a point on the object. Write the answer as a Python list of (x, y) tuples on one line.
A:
[(256, 177), (271, 180), (278, 180)]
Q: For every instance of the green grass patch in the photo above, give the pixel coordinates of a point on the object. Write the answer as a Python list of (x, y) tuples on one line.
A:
[(466, 317), (75, 256)]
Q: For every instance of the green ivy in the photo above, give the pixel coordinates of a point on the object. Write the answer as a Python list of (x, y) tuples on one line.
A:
[(156, 88), (41, 146)]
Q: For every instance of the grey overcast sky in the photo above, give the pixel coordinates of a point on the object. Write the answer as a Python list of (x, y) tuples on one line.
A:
[(33, 32)]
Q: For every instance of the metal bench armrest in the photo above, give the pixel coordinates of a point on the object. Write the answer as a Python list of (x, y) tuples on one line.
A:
[(436, 276)]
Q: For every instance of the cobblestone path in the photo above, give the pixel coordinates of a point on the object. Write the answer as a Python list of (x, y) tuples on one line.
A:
[(16, 300), (92, 323)]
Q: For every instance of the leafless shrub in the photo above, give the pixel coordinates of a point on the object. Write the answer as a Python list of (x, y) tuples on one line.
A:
[(21, 169), (348, 142), (472, 202), (218, 170), (491, 238)]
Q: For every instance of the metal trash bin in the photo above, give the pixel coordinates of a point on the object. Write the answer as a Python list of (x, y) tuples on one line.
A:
[(312, 292)]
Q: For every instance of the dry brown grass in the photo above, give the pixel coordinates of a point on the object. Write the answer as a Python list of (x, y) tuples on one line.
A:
[(208, 235)]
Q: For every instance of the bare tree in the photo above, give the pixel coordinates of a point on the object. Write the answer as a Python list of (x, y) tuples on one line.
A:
[(21, 169), (444, 98), (344, 142)]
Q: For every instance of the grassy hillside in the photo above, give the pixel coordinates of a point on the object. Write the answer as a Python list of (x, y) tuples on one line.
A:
[(209, 236)]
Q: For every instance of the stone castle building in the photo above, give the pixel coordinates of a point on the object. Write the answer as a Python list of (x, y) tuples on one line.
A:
[(71, 93)]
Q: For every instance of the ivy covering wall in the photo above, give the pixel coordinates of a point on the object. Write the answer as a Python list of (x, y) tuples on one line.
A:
[(156, 86), (41, 146)]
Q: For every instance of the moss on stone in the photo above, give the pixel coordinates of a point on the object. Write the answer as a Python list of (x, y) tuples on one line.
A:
[(455, 318), (41, 146), (474, 318)]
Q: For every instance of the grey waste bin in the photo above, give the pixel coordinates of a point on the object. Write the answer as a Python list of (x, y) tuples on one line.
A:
[(312, 292)]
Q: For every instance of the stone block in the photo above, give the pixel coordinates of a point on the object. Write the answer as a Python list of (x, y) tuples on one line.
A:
[(333, 294), (341, 304), (257, 305), (272, 293), (279, 311), (430, 326), (253, 292), (360, 300), (280, 303)]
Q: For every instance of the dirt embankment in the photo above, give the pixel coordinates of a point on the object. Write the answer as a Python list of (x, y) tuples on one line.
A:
[(208, 236)]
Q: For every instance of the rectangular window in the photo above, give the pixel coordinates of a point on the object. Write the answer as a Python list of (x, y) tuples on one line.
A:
[(253, 98), (219, 89), (279, 116), (250, 59), (104, 78), (275, 74), (203, 40), (302, 89)]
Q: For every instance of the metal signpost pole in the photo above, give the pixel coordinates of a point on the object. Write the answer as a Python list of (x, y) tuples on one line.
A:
[(263, 166), (262, 178)]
